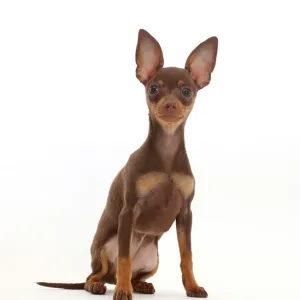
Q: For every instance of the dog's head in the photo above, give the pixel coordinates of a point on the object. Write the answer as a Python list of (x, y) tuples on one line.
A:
[(171, 92)]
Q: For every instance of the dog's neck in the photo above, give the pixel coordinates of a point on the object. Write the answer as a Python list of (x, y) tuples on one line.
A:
[(166, 144)]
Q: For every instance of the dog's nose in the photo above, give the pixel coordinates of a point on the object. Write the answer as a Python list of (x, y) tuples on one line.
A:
[(170, 106)]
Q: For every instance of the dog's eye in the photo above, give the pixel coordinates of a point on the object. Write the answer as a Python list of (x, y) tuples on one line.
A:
[(153, 89), (186, 92)]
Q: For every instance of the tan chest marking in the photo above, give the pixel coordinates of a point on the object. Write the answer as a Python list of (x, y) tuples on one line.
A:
[(184, 183), (149, 181)]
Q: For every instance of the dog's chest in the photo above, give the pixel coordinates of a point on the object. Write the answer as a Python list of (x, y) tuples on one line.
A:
[(160, 198)]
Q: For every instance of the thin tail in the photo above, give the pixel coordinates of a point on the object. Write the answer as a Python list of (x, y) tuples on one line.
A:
[(68, 286)]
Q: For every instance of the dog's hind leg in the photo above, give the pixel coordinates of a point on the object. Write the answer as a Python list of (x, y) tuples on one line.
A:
[(100, 262), (94, 283)]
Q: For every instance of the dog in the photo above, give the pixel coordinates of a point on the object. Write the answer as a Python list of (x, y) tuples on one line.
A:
[(156, 186)]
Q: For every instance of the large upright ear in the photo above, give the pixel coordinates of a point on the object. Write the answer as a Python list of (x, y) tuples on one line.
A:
[(148, 56), (202, 60)]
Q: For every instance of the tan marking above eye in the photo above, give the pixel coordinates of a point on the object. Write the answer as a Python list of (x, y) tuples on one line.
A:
[(160, 83), (185, 183), (180, 83), (148, 181)]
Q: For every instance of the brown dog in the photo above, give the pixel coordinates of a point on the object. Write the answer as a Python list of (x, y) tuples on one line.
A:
[(156, 186)]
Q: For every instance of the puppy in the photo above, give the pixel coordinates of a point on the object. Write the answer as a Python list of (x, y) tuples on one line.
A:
[(156, 186)]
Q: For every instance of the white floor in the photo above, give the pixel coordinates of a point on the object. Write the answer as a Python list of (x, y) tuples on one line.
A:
[(237, 265), (45, 294), (230, 293)]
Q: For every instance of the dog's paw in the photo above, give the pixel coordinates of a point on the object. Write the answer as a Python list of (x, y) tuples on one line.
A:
[(143, 287), (97, 288), (198, 292), (122, 295), (123, 292)]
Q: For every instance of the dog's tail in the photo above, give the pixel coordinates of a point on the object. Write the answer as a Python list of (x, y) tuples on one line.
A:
[(68, 286)]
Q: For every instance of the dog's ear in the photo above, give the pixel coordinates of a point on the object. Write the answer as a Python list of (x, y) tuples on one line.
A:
[(202, 60), (148, 57)]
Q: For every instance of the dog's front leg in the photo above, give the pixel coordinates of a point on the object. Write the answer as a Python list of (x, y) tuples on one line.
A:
[(123, 290), (184, 228)]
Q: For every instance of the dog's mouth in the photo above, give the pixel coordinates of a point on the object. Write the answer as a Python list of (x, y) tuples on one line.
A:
[(170, 118)]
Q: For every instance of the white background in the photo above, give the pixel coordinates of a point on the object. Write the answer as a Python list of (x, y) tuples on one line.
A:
[(72, 111)]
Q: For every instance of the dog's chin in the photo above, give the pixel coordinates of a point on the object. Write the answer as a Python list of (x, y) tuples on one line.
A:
[(170, 119)]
